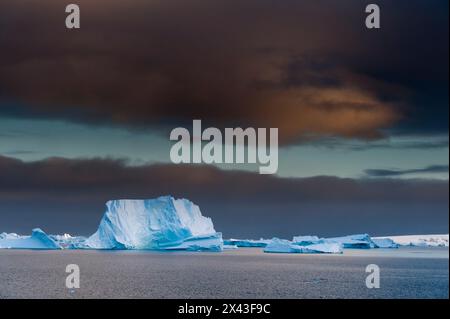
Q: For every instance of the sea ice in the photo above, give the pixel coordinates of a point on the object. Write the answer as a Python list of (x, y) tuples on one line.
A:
[(163, 223)]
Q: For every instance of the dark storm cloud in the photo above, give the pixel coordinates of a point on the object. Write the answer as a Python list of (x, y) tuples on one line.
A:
[(400, 172), (307, 67), (98, 177), (62, 195)]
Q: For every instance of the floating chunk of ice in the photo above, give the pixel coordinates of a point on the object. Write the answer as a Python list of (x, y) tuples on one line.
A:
[(247, 242), (305, 240), (158, 224), (384, 243), (277, 245), (360, 241), (37, 240)]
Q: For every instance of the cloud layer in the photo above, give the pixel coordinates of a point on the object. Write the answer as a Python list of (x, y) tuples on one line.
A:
[(308, 68)]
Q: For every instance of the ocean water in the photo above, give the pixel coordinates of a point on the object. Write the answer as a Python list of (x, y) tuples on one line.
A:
[(245, 273)]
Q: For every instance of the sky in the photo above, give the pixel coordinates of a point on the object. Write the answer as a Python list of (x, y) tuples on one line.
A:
[(362, 115)]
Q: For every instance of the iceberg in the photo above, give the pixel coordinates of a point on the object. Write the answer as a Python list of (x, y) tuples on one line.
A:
[(67, 241), (305, 240), (163, 223), (359, 241), (247, 242), (418, 240), (384, 243), (324, 248), (38, 240), (277, 245)]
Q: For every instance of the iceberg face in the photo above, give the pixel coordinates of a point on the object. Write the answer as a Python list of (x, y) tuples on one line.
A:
[(37, 240), (247, 242), (160, 224), (418, 240), (277, 245)]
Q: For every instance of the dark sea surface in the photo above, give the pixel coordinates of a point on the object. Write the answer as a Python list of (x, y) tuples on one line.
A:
[(244, 273)]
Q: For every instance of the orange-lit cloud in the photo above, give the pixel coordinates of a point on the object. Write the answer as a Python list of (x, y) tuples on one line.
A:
[(282, 64)]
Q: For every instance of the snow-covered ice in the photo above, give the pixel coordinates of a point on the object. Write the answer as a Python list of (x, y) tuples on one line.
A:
[(37, 240), (419, 240), (160, 224)]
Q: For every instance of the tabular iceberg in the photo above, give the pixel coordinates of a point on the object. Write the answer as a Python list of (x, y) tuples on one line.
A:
[(277, 245), (384, 243), (305, 240), (163, 223), (360, 241), (37, 240), (247, 242)]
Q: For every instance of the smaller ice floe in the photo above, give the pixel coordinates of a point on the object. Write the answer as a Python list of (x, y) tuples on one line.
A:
[(384, 243), (277, 245), (37, 240), (305, 240), (419, 240), (359, 241), (247, 242)]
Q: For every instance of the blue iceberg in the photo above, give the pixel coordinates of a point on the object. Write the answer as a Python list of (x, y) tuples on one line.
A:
[(384, 243), (305, 240), (247, 242), (359, 241), (163, 223), (38, 240), (277, 245)]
